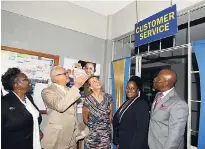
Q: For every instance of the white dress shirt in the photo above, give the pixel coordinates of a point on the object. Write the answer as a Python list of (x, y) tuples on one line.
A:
[(167, 92), (35, 114), (164, 94)]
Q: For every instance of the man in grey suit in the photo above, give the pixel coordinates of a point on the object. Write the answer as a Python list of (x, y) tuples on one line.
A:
[(169, 114)]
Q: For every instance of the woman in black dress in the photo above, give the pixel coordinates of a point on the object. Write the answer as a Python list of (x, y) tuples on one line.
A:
[(130, 122), (20, 117)]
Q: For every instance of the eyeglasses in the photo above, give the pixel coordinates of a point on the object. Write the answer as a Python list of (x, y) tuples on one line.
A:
[(22, 80), (132, 88), (65, 73)]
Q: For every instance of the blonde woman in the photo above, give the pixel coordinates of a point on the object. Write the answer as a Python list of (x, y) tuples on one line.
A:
[(97, 115)]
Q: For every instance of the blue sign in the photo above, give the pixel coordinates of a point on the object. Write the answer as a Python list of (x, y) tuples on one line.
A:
[(160, 25)]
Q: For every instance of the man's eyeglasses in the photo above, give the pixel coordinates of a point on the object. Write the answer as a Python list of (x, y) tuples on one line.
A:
[(65, 73)]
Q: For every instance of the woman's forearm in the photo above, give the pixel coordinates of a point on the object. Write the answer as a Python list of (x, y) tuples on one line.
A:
[(85, 115), (110, 120)]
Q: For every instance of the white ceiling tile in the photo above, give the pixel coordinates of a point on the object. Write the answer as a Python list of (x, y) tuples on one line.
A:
[(103, 7)]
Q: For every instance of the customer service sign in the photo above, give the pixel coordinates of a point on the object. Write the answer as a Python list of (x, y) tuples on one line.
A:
[(160, 25)]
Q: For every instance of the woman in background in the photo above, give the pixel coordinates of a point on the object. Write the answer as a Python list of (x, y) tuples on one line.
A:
[(97, 115), (90, 68), (130, 122), (20, 117)]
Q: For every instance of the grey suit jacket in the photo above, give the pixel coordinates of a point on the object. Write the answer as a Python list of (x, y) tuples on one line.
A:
[(62, 128), (168, 122)]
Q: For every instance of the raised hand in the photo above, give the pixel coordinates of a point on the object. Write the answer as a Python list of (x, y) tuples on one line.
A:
[(78, 82)]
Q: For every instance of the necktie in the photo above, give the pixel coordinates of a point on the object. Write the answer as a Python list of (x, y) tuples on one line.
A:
[(158, 100)]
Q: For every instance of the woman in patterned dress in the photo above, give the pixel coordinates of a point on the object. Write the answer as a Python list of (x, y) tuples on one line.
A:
[(97, 115)]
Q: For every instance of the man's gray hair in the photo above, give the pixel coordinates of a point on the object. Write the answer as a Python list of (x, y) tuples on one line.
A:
[(54, 72)]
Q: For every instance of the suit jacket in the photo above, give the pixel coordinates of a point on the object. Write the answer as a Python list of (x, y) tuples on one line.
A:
[(168, 122), (16, 123), (61, 129), (132, 131)]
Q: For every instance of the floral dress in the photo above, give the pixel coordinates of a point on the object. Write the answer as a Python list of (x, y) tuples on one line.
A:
[(98, 123)]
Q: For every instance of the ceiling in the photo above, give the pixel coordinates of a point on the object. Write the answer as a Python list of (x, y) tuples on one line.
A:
[(104, 7)]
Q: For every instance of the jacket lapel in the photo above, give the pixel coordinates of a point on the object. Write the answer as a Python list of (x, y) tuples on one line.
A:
[(152, 108), (71, 109), (16, 103), (74, 106), (57, 89), (163, 101)]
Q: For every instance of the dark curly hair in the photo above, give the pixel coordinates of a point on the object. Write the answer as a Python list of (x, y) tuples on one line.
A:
[(8, 79), (137, 81)]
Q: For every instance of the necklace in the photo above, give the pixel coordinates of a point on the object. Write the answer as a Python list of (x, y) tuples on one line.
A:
[(99, 97)]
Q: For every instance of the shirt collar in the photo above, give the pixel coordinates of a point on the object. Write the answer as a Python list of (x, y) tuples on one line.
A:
[(23, 102), (166, 92), (138, 94), (62, 88)]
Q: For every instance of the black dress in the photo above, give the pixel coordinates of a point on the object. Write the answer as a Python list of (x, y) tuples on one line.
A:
[(16, 123), (130, 125)]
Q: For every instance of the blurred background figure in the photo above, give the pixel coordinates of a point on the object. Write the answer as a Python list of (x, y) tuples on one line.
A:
[(90, 68), (71, 79)]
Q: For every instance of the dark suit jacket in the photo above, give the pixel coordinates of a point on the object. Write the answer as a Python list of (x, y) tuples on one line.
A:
[(132, 131), (16, 123)]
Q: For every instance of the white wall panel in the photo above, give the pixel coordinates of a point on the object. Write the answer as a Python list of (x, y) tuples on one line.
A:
[(123, 21), (61, 13)]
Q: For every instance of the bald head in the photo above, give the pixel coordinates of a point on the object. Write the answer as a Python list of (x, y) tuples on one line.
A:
[(170, 76), (165, 80)]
